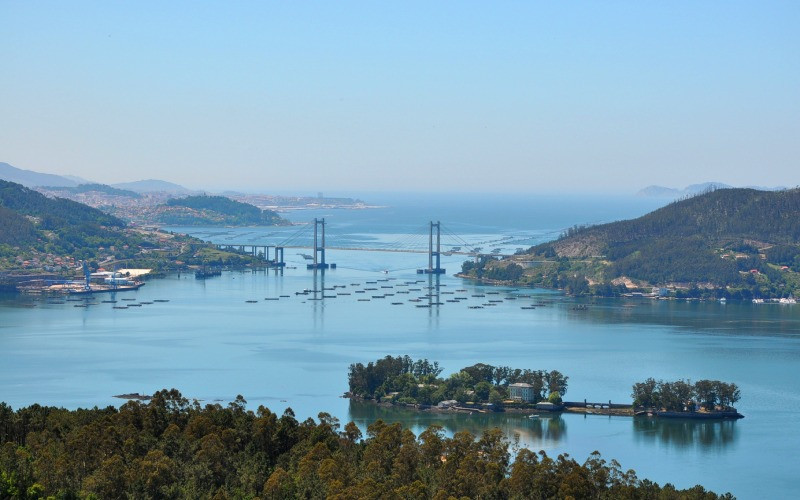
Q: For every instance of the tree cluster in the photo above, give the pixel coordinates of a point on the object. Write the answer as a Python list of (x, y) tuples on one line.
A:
[(172, 448), (418, 382), (504, 272), (682, 395)]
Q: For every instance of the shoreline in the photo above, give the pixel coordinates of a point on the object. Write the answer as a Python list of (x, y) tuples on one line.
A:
[(619, 411)]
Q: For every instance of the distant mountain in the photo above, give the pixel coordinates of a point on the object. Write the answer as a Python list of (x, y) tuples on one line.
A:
[(29, 178), (79, 180), (668, 192), (153, 185)]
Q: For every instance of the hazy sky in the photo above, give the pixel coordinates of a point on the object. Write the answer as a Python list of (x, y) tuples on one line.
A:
[(316, 96)]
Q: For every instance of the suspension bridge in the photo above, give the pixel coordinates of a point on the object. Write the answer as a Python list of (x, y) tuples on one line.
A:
[(273, 255)]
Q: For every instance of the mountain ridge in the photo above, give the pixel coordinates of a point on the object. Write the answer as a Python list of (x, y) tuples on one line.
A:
[(30, 178)]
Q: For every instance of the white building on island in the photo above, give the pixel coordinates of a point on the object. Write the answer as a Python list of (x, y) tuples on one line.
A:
[(521, 391)]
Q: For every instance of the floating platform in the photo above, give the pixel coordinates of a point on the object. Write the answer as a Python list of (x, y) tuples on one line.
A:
[(438, 270), (320, 266)]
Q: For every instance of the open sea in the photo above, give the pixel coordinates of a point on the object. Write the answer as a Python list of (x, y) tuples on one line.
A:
[(250, 333)]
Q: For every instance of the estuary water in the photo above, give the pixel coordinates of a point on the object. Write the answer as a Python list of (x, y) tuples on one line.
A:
[(257, 334)]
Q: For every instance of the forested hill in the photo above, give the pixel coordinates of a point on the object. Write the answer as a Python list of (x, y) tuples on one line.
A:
[(53, 213), (720, 217), (736, 243), (30, 219), (211, 210)]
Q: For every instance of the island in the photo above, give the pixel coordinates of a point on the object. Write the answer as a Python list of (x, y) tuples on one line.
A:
[(403, 381), (733, 244)]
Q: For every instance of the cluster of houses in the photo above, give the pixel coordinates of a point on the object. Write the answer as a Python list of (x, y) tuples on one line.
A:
[(519, 392)]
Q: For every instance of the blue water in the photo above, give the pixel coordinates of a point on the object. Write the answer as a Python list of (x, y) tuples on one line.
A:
[(211, 344)]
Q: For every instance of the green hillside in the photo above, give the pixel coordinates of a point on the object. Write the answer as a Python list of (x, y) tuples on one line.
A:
[(15, 229), (53, 212), (216, 210), (737, 242), (31, 221)]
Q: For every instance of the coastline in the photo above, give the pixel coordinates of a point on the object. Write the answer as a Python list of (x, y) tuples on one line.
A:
[(615, 410)]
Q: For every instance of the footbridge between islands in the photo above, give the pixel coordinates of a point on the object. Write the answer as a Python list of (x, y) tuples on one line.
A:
[(273, 255)]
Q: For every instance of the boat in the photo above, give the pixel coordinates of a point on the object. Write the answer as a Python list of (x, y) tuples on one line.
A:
[(204, 273), (106, 288)]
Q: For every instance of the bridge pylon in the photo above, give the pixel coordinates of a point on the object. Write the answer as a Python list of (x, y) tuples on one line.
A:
[(319, 247), (434, 251)]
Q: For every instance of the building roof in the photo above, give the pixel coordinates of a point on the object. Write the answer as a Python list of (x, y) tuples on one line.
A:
[(521, 384)]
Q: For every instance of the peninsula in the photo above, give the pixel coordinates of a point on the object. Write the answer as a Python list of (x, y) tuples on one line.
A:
[(725, 243)]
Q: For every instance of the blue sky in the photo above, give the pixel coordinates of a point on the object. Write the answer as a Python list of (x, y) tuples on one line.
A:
[(338, 96)]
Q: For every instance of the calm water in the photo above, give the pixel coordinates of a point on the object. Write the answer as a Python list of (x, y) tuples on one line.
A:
[(211, 344)]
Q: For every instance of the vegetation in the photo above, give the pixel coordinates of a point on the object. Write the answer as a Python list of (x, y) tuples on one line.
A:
[(212, 210), (733, 243), (682, 395), (53, 212), (403, 380), (57, 226), (173, 448), (15, 229)]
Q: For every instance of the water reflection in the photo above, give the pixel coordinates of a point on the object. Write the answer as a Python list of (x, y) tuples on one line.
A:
[(548, 431), (733, 318), (541, 432), (685, 433)]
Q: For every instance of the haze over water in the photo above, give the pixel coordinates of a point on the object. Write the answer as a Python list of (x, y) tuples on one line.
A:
[(211, 344)]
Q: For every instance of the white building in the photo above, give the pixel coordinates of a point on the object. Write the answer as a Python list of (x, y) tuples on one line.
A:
[(521, 391)]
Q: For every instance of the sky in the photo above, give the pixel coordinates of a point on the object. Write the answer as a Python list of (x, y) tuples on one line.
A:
[(431, 96)]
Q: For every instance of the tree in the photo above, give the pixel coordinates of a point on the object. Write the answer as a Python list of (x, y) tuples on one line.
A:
[(556, 382), (482, 390), (706, 393), (645, 394), (728, 393)]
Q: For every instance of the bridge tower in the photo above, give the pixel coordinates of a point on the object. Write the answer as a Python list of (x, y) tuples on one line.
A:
[(434, 255), (319, 247)]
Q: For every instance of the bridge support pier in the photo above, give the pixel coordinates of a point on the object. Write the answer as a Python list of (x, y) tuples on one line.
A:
[(434, 254), (319, 247)]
